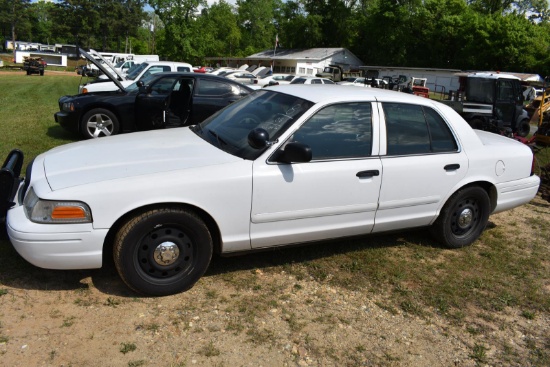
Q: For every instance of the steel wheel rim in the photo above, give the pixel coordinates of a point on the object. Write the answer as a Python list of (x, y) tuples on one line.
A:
[(156, 265), (465, 217), (99, 124)]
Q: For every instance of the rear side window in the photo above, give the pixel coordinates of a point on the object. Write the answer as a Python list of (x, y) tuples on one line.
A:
[(183, 68), (214, 88), (156, 69), (413, 129)]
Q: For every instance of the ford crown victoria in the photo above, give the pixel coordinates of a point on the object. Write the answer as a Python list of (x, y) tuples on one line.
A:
[(284, 165)]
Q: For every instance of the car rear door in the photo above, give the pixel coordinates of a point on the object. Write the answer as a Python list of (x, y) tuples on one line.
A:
[(333, 195), (422, 165)]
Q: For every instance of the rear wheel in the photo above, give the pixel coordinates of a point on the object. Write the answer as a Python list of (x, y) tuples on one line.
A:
[(523, 128), (463, 217), (162, 251), (99, 122)]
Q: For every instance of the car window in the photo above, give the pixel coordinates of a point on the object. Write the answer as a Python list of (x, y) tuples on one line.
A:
[(214, 88), (298, 81), (183, 68), (164, 85), (338, 131), (156, 69), (414, 129), (316, 81), (328, 81)]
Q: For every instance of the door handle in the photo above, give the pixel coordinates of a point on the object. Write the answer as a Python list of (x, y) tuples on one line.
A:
[(451, 167), (368, 174)]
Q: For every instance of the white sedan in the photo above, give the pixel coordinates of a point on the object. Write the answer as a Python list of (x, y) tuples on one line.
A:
[(284, 165)]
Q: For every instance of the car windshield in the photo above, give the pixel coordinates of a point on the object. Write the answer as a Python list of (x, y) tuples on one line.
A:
[(133, 74), (119, 64), (145, 80), (272, 111)]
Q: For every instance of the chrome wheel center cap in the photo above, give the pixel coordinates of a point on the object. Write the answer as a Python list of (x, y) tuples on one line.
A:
[(465, 218), (166, 253)]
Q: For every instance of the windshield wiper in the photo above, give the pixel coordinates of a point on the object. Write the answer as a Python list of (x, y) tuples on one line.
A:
[(218, 139)]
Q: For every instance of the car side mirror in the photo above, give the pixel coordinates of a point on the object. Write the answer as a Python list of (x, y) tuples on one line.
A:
[(295, 153), (258, 138)]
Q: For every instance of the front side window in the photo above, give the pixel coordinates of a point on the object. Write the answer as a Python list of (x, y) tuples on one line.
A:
[(338, 131), (414, 129)]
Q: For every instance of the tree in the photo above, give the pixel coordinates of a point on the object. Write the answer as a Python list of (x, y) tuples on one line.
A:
[(177, 18), (14, 14)]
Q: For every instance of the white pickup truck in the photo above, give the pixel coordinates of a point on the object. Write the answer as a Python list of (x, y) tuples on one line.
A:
[(142, 70)]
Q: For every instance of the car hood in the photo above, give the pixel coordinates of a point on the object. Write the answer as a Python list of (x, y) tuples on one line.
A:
[(129, 155)]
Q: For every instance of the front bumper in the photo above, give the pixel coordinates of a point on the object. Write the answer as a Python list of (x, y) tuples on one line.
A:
[(68, 120), (55, 246)]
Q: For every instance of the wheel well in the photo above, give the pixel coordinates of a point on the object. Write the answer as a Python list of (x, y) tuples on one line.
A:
[(489, 188), (208, 220)]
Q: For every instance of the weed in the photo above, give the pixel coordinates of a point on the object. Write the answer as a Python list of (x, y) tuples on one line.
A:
[(528, 315), (127, 347), (479, 353), (137, 363), (69, 321), (209, 350), (3, 292), (112, 302), (4, 339)]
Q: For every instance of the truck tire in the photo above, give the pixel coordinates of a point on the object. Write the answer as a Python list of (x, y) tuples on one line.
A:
[(523, 129)]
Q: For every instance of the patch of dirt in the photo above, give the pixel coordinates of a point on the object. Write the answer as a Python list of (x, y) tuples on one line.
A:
[(89, 318)]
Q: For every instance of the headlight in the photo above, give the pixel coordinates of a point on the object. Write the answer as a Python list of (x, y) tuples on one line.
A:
[(50, 211), (68, 106)]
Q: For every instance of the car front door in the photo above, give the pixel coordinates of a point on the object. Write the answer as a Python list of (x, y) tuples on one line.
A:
[(152, 104), (333, 195), (422, 165)]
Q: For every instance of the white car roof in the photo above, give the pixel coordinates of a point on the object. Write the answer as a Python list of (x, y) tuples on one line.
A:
[(493, 76), (317, 93)]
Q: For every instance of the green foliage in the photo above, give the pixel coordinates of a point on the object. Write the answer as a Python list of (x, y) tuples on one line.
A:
[(479, 34)]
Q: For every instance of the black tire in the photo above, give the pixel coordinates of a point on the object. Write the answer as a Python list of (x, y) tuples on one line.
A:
[(41, 72), (524, 128), (98, 123), (179, 234), (477, 123), (463, 217)]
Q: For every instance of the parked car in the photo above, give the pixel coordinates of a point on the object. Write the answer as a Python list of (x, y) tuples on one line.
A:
[(156, 101), (285, 165), (310, 80), (202, 69), (358, 81), (135, 74), (241, 76), (276, 79)]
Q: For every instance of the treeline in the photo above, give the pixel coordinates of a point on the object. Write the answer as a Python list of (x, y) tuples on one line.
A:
[(462, 34)]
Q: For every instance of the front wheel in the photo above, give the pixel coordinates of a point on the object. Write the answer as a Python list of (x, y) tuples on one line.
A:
[(463, 217), (99, 122), (162, 251)]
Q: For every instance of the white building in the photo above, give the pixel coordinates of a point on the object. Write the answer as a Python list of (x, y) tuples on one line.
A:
[(293, 61)]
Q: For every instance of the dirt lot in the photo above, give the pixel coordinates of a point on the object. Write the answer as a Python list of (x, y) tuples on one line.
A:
[(246, 312)]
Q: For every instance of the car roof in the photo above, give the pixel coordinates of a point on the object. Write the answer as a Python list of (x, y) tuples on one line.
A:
[(202, 76), (317, 93), (168, 62)]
